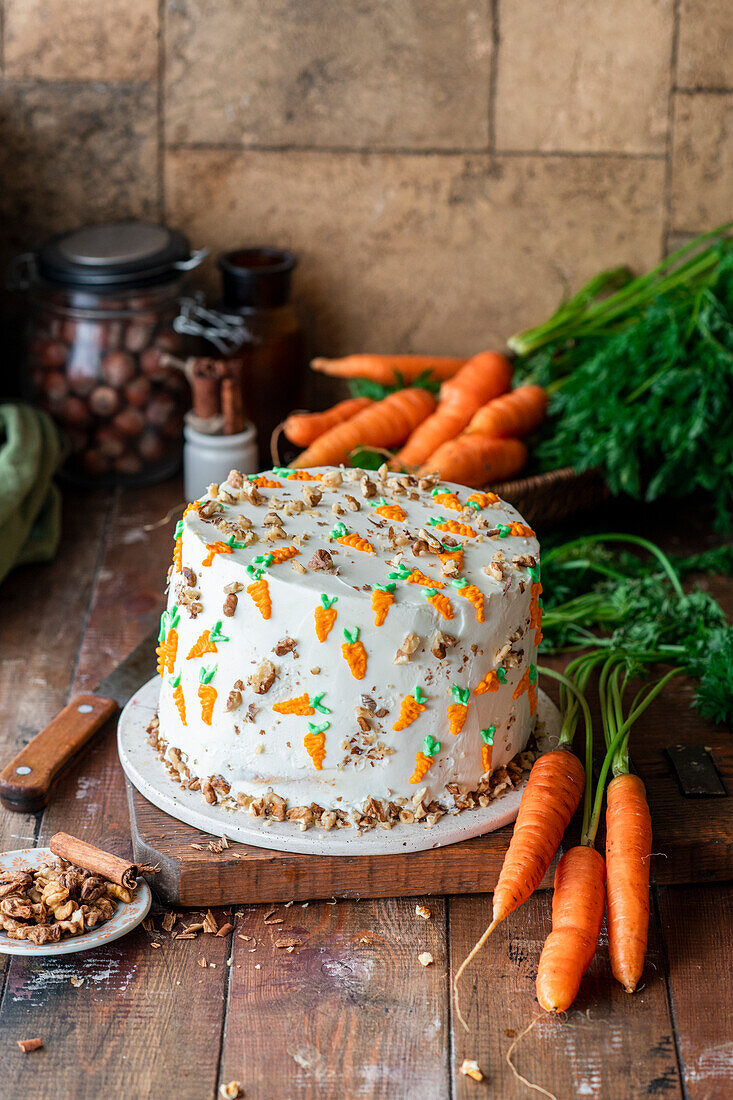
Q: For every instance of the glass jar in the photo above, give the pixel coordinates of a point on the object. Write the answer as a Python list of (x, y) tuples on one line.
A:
[(102, 305), (256, 288)]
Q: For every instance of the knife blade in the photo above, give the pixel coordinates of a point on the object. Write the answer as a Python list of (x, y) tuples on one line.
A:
[(26, 781)]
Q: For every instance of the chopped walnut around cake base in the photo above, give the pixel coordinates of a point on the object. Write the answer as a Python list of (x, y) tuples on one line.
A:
[(375, 813)]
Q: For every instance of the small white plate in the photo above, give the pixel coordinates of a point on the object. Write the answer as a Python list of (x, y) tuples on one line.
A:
[(127, 916)]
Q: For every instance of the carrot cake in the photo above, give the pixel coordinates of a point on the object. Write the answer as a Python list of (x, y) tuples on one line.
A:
[(342, 647)]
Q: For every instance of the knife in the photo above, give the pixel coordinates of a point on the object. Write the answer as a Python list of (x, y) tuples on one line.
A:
[(27, 780)]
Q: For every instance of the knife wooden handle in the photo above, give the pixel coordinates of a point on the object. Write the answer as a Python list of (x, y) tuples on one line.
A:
[(27, 779)]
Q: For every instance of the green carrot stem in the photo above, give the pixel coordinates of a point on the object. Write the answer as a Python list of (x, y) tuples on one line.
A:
[(635, 540), (567, 732)]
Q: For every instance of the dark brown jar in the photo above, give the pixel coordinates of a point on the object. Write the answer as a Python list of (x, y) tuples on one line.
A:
[(256, 287), (102, 305)]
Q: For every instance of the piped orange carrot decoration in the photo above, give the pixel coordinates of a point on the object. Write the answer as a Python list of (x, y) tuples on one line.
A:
[(458, 709), (551, 797), (487, 748), (168, 640), (262, 482), (424, 760), (300, 475), (355, 654), (180, 702), (388, 511), (440, 602), (411, 707), (283, 553), (577, 913), (206, 642), (476, 460), (444, 499), (478, 501), (388, 370), (491, 682), (304, 428), (215, 548), (207, 694), (452, 527), (386, 423), (301, 704), (486, 375), (259, 590), (178, 547), (523, 684), (472, 593), (315, 743), (452, 553), (513, 415), (325, 616), (382, 600), (341, 534), (628, 856)]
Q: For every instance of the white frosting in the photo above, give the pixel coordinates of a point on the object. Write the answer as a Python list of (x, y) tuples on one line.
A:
[(268, 752)]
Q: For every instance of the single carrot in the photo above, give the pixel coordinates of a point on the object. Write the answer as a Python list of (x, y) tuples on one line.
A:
[(178, 547), (263, 482), (444, 499), (178, 698), (300, 704), (452, 527), (491, 682), (325, 617), (482, 378), (259, 590), (354, 654), (283, 553), (628, 851), (315, 744), (458, 709), (440, 602), (476, 460), (388, 511), (487, 748), (356, 542), (577, 913), (304, 428), (386, 423), (513, 415), (215, 548), (424, 760), (388, 369), (411, 707), (382, 600), (472, 593), (168, 640), (207, 694), (416, 576), (202, 645)]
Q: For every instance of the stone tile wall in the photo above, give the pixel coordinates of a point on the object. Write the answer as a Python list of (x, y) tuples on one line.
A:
[(446, 169)]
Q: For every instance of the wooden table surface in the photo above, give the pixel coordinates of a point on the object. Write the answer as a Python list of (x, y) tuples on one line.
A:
[(350, 1013)]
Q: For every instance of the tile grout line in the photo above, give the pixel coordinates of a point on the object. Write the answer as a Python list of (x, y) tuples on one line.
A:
[(493, 73), (355, 150), (667, 216)]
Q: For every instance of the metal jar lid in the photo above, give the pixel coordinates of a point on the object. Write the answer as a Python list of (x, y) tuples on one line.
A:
[(115, 255)]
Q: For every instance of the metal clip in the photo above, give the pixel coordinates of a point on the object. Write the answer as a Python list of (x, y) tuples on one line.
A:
[(226, 331), (196, 257)]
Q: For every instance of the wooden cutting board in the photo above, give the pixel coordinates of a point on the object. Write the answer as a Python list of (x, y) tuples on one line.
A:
[(689, 795)]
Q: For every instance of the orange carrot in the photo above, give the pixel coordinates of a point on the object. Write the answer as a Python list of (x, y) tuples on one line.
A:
[(577, 913), (445, 499), (514, 415), (207, 694), (299, 705), (628, 851), (283, 553), (473, 594), (475, 460), (424, 760), (481, 500), (215, 548), (303, 475), (487, 749), (355, 654), (202, 645), (304, 428), (178, 699), (356, 542), (315, 746), (491, 682), (452, 526), (458, 710), (382, 600), (483, 377), (263, 482), (388, 369), (389, 511), (178, 550), (411, 707), (325, 617), (441, 603), (550, 799), (386, 423), (452, 555), (416, 576), (259, 590)]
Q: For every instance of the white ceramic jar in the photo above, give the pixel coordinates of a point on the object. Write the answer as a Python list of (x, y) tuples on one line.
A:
[(209, 458)]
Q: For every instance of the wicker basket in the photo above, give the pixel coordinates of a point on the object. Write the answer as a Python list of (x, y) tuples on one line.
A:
[(546, 499)]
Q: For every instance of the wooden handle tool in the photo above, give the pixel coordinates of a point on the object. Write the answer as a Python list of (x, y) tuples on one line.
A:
[(26, 781)]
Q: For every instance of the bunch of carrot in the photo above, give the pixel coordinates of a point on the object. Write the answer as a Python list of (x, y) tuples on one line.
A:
[(471, 434)]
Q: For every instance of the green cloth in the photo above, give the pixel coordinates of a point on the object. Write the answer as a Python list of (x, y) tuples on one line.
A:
[(30, 504)]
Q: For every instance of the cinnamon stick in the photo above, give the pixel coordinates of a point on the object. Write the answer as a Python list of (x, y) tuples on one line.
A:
[(28, 1045), (95, 860), (206, 375)]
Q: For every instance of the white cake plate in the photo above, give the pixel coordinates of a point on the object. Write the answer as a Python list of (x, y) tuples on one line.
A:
[(146, 772)]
